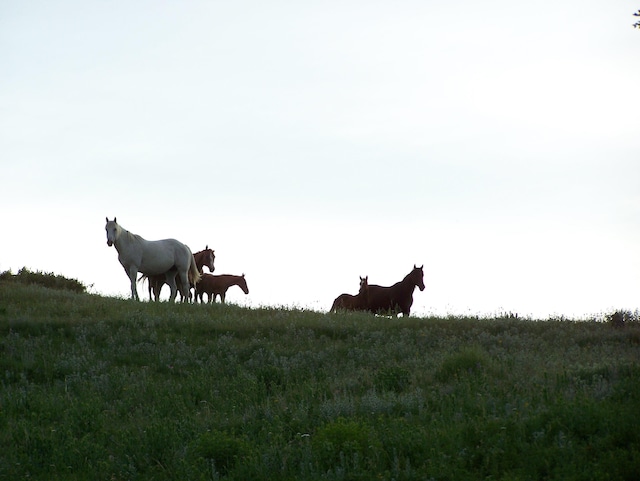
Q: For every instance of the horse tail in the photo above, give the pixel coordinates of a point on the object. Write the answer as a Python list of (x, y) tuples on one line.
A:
[(338, 303), (193, 274), (334, 307)]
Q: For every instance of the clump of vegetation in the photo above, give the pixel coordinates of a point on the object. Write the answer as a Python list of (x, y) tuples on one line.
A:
[(45, 279), (621, 318), (222, 449), (469, 360), (392, 378), (341, 442)]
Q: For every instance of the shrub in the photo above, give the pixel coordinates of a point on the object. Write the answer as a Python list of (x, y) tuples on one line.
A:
[(621, 318), (467, 361), (44, 279), (223, 449), (342, 439), (393, 378)]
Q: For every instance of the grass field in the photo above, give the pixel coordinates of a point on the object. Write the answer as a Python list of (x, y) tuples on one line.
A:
[(109, 389)]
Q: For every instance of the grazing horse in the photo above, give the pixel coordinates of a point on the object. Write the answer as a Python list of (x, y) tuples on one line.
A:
[(218, 285), (398, 297), (359, 302), (203, 258), (169, 257)]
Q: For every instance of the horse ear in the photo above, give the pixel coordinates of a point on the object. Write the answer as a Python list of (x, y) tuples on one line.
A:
[(107, 219), (114, 220), (206, 247)]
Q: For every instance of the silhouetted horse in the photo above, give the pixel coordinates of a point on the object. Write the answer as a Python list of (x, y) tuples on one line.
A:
[(218, 285), (398, 297), (359, 302), (203, 258)]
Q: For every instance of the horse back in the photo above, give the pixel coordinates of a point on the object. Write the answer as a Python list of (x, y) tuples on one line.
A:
[(159, 256), (210, 283), (393, 298), (343, 301)]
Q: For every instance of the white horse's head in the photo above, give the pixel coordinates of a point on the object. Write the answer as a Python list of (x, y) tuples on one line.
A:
[(113, 231)]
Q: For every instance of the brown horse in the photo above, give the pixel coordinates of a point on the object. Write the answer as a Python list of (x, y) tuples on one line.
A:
[(398, 297), (203, 258), (359, 302), (217, 286)]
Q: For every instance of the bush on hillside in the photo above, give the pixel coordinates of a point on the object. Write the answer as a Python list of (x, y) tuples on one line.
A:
[(621, 318), (45, 279)]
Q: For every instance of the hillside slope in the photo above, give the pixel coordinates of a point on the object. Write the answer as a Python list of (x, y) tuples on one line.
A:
[(103, 388)]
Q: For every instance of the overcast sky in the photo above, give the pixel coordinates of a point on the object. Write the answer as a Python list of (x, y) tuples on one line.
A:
[(309, 143)]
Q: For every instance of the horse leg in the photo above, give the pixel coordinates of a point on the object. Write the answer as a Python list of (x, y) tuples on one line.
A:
[(222, 296), (180, 288), (407, 307), (133, 274), (185, 286), (157, 288), (171, 281)]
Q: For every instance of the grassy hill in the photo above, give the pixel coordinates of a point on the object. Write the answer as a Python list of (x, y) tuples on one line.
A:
[(109, 389)]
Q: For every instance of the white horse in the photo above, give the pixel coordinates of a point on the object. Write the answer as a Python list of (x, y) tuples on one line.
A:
[(168, 256)]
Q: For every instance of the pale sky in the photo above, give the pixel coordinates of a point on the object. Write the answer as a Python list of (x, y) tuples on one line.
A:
[(310, 143)]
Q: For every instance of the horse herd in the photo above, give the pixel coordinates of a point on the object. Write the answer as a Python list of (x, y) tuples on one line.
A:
[(171, 262)]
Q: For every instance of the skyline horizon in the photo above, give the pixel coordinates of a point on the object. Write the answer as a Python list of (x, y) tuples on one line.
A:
[(313, 144)]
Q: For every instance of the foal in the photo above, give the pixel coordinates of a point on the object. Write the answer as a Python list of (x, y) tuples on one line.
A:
[(359, 302), (218, 285)]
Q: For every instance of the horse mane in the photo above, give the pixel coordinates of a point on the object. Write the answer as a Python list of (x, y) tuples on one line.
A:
[(133, 236), (129, 234)]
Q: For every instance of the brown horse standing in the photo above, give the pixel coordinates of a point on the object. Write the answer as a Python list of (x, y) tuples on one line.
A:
[(398, 297), (203, 258), (218, 285), (359, 302)]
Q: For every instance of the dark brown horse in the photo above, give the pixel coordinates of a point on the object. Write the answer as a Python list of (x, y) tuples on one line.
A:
[(214, 286), (359, 302), (398, 297), (203, 258)]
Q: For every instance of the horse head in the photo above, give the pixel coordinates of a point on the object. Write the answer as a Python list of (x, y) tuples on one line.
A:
[(363, 293), (364, 284), (242, 283), (209, 258), (113, 231), (417, 276)]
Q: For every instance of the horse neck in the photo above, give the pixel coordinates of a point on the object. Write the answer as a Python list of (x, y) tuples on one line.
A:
[(126, 239), (363, 294), (199, 258), (408, 279), (228, 280), (408, 283)]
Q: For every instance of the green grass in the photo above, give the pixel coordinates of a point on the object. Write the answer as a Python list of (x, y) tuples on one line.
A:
[(110, 389)]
